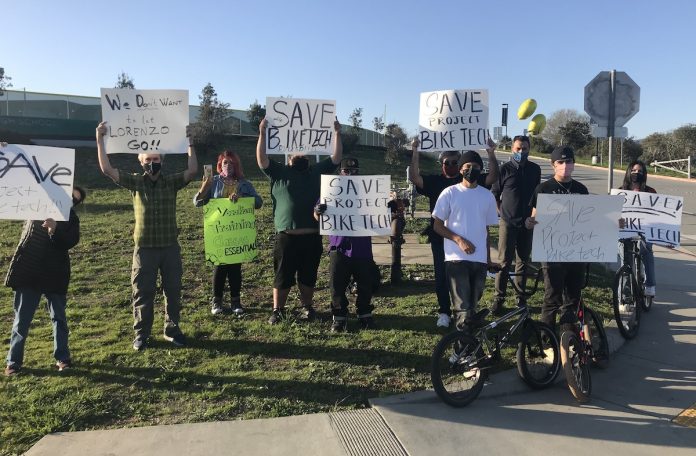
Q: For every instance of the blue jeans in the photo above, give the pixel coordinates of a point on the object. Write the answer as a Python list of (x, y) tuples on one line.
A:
[(646, 252), (25, 303)]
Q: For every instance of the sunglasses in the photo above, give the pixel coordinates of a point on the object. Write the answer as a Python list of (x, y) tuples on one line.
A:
[(450, 162)]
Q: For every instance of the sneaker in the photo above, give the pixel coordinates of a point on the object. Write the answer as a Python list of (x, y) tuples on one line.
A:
[(650, 291), (339, 326), (237, 308), (216, 308), (367, 323), (178, 340), (443, 321), (63, 365), (308, 314), (277, 316), (139, 343), (12, 369)]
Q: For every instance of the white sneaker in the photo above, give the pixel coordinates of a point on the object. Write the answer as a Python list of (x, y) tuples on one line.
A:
[(443, 321), (650, 291)]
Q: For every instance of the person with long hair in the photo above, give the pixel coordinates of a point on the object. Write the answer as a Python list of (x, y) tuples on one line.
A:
[(228, 183), (636, 180)]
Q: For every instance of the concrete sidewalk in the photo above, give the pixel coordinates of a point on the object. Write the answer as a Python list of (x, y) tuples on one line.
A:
[(649, 382)]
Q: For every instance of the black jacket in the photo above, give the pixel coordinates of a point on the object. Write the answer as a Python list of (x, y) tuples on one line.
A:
[(41, 262)]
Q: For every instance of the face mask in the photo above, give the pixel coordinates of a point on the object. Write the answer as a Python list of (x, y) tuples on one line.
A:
[(226, 172), (300, 163), (637, 177), (471, 175), (75, 202), (520, 157), (565, 169), (152, 168)]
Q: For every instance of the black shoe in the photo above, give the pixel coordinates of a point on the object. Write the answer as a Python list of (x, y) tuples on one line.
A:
[(277, 316), (63, 365), (216, 306), (139, 343), (308, 314), (339, 326), (178, 340), (12, 369), (237, 308), (367, 323)]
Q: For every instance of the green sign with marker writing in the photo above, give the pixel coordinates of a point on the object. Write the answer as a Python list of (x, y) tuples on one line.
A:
[(229, 231)]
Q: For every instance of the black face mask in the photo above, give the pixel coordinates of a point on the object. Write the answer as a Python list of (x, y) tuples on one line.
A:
[(471, 175), (300, 164), (152, 168), (637, 178)]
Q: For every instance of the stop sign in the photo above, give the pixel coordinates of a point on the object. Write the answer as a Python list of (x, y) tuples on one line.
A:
[(598, 93)]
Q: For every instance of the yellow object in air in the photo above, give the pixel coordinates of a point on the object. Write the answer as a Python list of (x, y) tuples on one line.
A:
[(537, 124), (527, 108)]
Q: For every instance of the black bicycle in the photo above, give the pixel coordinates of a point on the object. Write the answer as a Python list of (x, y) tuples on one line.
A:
[(629, 291), (462, 359)]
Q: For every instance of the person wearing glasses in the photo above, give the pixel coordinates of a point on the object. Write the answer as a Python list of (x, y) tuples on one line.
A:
[(513, 190), (431, 186)]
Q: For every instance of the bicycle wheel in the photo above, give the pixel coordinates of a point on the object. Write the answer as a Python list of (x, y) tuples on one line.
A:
[(538, 359), (626, 306), (598, 339), (640, 277), (576, 370), (456, 375)]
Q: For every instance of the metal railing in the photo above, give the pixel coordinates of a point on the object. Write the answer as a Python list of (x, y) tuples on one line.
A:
[(660, 164)]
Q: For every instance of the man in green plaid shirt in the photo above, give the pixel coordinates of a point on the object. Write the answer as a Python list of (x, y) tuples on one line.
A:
[(155, 236)]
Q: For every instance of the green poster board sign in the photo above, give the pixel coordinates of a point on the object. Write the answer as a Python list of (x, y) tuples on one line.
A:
[(229, 230)]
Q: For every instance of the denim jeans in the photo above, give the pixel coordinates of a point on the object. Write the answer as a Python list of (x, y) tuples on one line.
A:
[(646, 252), (467, 280), (25, 303)]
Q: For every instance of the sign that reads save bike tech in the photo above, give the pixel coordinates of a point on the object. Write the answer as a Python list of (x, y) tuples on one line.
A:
[(145, 121), (657, 216)]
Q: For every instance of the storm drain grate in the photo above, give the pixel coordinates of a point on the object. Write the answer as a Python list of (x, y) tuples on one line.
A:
[(364, 432), (687, 417)]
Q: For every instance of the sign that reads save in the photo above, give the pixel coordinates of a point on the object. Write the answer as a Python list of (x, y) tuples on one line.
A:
[(145, 121), (299, 126), (229, 231), (356, 205), (453, 119), (657, 216), (576, 228), (36, 182)]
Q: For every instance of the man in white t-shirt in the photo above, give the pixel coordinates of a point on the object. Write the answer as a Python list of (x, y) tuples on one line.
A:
[(462, 215)]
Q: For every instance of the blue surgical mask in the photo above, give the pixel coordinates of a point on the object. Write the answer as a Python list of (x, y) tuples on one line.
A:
[(520, 156)]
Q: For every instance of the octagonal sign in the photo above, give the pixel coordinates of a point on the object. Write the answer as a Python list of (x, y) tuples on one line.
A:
[(627, 101)]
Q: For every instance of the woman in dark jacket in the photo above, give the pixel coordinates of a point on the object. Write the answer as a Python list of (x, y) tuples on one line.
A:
[(41, 266)]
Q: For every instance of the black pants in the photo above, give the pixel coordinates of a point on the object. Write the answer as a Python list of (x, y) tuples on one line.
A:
[(560, 278), (231, 273), (341, 268), (437, 246)]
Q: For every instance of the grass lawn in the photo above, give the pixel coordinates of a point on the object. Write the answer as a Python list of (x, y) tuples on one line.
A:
[(233, 368)]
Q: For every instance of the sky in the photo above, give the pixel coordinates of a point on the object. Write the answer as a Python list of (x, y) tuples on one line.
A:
[(375, 55)]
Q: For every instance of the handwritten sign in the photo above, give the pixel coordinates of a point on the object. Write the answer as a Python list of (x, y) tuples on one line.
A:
[(657, 216), (145, 121), (36, 182), (576, 228), (229, 231), (453, 120), (299, 126), (357, 205)]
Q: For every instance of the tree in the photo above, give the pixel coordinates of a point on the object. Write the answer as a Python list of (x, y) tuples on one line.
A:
[(4, 81), (356, 120), (255, 114), (540, 145), (210, 126), (395, 139), (378, 123), (124, 81), (558, 120), (685, 137), (576, 134)]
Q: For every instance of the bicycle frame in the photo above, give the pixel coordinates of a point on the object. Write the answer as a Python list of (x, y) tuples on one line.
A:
[(631, 248)]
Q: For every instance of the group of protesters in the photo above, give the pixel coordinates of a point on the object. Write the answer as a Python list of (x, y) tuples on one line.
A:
[(464, 202)]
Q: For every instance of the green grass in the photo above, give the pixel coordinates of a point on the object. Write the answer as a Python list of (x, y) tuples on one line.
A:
[(233, 368)]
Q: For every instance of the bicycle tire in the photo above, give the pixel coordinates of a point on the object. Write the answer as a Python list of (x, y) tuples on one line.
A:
[(538, 357), (455, 372), (598, 339), (575, 368), (627, 309)]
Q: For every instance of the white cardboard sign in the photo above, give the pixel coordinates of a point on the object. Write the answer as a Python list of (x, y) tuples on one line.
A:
[(453, 120), (576, 228), (300, 126), (655, 215), (145, 121), (36, 182), (356, 205)]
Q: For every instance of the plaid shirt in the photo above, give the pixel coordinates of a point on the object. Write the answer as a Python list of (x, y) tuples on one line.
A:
[(154, 207)]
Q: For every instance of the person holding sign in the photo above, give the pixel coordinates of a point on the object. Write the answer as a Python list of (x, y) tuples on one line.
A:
[(295, 189), (228, 183), (350, 256), (512, 190), (432, 185), (635, 180), (41, 266), (560, 277), (155, 237), (462, 215)]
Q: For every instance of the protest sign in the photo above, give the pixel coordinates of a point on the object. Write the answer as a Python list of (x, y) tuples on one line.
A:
[(576, 228), (657, 216), (356, 205), (229, 231), (145, 121), (299, 126), (453, 120), (36, 182)]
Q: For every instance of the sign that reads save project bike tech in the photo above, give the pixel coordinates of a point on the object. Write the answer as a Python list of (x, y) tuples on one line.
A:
[(300, 126), (658, 217)]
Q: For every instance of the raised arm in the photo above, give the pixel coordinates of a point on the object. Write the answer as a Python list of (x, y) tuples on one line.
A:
[(104, 162), (414, 170), (192, 167), (261, 157), (338, 145), (493, 168)]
